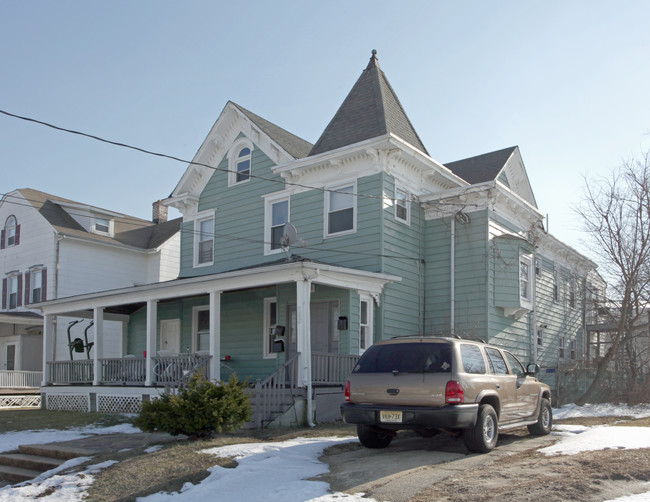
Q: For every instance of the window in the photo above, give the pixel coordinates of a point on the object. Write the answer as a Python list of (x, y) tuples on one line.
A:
[(365, 324), (270, 322), (561, 347), (240, 162), (10, 233), (515, 366), (13, 286), (101, 225), (402, 206), (340, 210), (204, 241), (540, 336), (556, 289), (36, 285), (573, 349), (571, 287), (538, 267), (473, 361), (524, 279), (406, 358), (276, 215), (497, 364), (202, 328)]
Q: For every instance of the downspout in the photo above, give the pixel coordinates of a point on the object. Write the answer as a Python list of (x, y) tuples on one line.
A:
[(57, 254), (452, 324), (533, 337)]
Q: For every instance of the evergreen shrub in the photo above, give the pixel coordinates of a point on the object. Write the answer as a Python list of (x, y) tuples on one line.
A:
[(198, 409)]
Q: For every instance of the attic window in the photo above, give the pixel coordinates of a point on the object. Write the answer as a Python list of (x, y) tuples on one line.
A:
[(101, 225), (240, 163)]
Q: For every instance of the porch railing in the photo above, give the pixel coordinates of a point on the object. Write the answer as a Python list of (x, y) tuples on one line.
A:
[(20, 379), (331, 369), (124, 370), (71, 372), (175, 370), (273, 394)]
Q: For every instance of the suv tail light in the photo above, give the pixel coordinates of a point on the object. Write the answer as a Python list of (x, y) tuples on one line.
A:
[(347, 390), (454, 393)]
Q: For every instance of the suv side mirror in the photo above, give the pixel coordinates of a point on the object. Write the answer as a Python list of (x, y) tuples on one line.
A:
[(532, 369)]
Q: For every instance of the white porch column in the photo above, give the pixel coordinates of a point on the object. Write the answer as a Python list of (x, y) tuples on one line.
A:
[(49, 340), (98, 353), (303, 338), (152, 336), (215, 335)]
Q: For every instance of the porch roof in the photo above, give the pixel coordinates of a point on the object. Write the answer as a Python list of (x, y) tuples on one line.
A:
[(318, 273)]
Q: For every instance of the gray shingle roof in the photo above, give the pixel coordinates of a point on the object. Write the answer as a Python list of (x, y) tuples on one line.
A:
[(370, 110), (292, 144), (482, 168), (128, 230)]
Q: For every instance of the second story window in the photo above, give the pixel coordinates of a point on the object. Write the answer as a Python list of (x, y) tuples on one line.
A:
[(11, 286), (10, 233), (35, 285), (556, 288), (276, 216), (524, 279), (340, 210), (402, 206), (204, 241), (561, 347)]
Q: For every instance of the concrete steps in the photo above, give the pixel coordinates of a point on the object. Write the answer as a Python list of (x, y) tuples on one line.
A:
[(32, 460)]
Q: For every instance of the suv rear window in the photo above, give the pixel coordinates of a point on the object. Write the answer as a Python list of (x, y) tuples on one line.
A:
[(406, 358)]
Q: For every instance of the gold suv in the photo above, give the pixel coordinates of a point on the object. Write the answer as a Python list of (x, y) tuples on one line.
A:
[(432, 384)]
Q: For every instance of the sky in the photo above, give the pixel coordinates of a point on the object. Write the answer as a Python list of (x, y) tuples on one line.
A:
[(566, 81), (282, 470)]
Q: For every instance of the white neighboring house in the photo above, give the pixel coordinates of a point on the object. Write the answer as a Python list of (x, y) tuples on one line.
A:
[(51, 247)]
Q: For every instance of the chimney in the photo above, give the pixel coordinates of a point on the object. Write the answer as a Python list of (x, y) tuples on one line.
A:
[(159, 213)]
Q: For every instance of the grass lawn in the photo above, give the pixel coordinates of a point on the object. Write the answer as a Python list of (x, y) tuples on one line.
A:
[(25, 420)]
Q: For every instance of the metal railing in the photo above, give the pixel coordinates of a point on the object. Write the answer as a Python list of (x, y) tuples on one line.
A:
[(20, 379), (331, 369), (273, 394)]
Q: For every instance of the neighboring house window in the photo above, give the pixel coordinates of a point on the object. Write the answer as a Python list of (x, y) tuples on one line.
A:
[(201, 323), (572, 349), (10, 233), (365, 324), (524, 279), (240, 162), (538, 267), (561, 347), (270, 322), (340, 205), (402, 206), (571, 286), (276, 215), (204, 241), (35, 281), (11, 291), (540, 336), (556, 287)]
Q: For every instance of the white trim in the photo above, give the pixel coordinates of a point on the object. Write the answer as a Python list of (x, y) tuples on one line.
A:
[(110, 223), (201, 217), (327, 196), (526, 300), (266, 350), (234, 159), (195, 328), (269, 200), (368, 325)]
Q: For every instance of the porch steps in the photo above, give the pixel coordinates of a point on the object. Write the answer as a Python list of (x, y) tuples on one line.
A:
[(29, 461)]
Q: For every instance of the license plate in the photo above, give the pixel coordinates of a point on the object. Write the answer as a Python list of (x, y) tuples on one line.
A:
[(394, 417)]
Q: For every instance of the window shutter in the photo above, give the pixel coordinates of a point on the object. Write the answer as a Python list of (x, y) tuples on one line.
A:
[(2, 243), (19, 295), (27, 278), (17, 235), (43, 284), (4, 292)]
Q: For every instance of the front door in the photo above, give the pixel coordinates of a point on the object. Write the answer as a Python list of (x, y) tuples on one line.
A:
[(170, 335), (324, 335), (10, 365)]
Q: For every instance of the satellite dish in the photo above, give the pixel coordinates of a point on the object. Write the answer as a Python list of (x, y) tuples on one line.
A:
[(289, 235)]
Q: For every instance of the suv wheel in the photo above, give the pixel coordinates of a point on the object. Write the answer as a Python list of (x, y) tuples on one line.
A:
[(482, 438), (544, 420), (374, 437)]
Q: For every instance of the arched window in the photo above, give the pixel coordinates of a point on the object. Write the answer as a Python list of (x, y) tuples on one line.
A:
[(10, 233), (240, 162)]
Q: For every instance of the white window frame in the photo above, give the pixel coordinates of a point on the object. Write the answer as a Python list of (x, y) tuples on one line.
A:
[(35, 272), (269, 201), (268, 326), (195, 327), (538, 267), (204, 216), (365, 329), (12, 289), (573, 350), (331, 191), (98, 219), (571, 292), (10, 230), (561, 348), (527, 298), (556, 286), (234, 159), (540, 336), (406, 199)]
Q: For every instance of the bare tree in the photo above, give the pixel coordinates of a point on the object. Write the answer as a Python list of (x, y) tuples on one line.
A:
[(616, 216)]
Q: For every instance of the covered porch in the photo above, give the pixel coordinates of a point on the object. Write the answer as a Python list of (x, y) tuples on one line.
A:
[(215, 326)]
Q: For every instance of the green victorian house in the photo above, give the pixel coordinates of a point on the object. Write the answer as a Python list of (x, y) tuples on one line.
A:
[(297, 257)]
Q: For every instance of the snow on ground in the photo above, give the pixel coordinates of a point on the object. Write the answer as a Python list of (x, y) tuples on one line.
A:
[(263, 467)]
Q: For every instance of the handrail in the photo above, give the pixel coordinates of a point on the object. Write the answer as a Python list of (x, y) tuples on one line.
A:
[(18, 379), (269, 394)]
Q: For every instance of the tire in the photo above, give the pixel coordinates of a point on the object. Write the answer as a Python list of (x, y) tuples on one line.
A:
[(374, 437), (482, 438), (544, 420)]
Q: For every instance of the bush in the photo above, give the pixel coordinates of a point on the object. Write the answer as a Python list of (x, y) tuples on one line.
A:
[(198, 409)]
